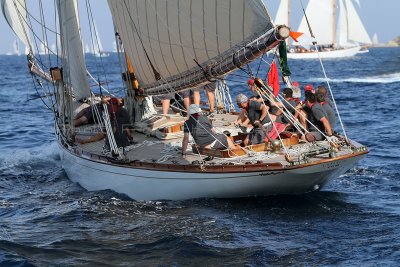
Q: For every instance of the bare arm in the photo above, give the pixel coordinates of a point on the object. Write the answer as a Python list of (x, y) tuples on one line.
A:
[(327, 126)]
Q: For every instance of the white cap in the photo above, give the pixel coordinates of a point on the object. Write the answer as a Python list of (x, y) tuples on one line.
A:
[(241, 98), (193, 108)]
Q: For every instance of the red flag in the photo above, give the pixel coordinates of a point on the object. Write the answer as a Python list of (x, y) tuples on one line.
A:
[(273, 79)]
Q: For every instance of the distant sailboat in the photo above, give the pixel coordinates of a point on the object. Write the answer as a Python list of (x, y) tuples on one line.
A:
[(15, 49), (114, 47), (375, 40), (333, 42)]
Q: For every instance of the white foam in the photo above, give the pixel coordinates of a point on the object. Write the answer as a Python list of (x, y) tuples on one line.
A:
[(385, 78), (25, 157)]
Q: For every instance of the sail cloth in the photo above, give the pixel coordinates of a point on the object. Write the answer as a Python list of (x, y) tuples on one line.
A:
[(15, 14), (319, 14), (342, 27), (282, 15), (172, 34), (356, 29), (74, 66)]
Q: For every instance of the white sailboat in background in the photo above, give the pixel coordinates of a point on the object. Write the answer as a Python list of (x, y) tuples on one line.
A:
[(161, 57), (334, 41), (375, 40), (15, 49)]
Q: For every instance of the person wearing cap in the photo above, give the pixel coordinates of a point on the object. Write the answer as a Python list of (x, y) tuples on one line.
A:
[(308, 89), (256, 114), (120, 122), (203, 133)]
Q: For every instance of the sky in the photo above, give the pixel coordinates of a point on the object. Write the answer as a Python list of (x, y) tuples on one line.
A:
[(379, 16)]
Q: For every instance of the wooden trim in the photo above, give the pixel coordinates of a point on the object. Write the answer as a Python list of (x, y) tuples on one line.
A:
[(228, 168)]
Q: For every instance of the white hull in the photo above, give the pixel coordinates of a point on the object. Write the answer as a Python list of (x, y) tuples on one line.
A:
[(144, 184), (339, 53)]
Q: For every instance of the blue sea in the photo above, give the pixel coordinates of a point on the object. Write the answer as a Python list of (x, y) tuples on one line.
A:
[(47, 220)]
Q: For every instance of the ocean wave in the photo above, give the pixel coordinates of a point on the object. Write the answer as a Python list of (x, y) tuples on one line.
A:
[(384, 78), (10, 160)]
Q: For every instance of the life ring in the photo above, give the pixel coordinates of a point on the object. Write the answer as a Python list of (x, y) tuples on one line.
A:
[(291, 50)]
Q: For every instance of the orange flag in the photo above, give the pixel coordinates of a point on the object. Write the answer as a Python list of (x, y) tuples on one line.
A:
[(295, 35)]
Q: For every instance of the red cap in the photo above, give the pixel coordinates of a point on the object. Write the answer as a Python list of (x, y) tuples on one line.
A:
[(250, 82), (296, 84), (309, 87)]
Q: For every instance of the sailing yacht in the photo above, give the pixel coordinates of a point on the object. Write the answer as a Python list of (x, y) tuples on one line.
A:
[(170, 47), (15, 49), (345, 39)]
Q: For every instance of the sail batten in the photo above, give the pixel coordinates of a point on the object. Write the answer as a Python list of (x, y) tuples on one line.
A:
[(173, 35)]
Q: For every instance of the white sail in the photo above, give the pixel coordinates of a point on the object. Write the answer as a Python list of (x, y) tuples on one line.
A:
[(319, 13), (16, 16), (16, 48), (356, 29), (375, 40), (341, 29), (282, 15), (74, 61), (175, 33)]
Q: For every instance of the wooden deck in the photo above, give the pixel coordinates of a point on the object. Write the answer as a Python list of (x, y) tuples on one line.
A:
[(150, 149)]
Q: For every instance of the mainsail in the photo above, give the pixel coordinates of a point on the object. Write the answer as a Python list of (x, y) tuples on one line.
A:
[(73, 59), (356, 29), (168, 40), (320, 16), (282, 15), (342, 26), (16, 16)]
